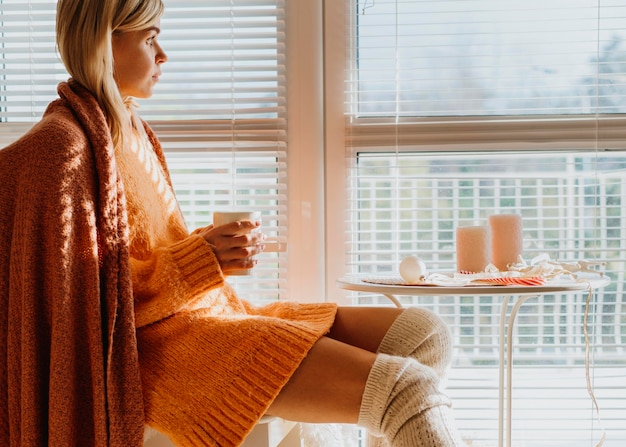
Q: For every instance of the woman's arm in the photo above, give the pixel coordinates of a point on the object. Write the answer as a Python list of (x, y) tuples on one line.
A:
[(176, 276), (173, 278)]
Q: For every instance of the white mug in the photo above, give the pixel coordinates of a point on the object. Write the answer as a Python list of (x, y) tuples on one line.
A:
[(225, 217)]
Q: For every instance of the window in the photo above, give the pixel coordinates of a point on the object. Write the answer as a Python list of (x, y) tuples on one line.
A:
[(455, 110), (220, 109)]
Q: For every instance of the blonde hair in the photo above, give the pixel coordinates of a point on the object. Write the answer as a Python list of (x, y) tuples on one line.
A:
[(84, 30)]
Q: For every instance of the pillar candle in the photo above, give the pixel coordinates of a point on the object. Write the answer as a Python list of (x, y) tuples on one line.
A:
[(473, 248), (506, 239)]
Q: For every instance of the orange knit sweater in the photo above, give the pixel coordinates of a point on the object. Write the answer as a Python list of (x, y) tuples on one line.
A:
[(111, 313)]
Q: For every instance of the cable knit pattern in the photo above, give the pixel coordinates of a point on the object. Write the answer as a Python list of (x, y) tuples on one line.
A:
[(403, 405), (106, 327), (422, 335)]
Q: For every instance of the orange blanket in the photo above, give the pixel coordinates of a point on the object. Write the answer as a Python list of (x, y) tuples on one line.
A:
[(69, 370)]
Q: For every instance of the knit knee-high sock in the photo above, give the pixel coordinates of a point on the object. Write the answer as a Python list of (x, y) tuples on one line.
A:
[(422, 335), (419, 334), (402, 404)]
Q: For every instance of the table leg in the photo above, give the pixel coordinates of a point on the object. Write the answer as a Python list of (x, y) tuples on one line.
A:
[(393, 299), (510, 324), (501, 368)]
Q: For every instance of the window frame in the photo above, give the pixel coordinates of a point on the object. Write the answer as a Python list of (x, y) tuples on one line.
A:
[(432, 135), (305, 139), (558, 132), (336, 162)]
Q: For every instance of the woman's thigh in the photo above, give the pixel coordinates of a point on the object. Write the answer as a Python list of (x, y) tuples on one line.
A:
[(363, 327), (329, 383), (327, 386)]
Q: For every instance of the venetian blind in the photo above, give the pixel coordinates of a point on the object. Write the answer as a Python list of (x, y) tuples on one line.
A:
[(457, 110), (219, 108)]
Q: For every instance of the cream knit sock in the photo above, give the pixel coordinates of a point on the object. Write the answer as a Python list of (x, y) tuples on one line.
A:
[(403, 404), (422, 335)]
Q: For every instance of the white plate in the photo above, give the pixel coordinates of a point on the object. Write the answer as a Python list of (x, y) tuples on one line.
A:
[(579, 280)]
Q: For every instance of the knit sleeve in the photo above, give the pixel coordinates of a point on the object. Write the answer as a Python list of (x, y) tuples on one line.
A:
[(173, 278)]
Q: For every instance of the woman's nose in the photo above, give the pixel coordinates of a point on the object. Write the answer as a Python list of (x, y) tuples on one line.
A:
[(161, 56)]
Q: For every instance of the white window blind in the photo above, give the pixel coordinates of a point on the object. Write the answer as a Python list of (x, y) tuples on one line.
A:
[(219, 108), (457, 110)]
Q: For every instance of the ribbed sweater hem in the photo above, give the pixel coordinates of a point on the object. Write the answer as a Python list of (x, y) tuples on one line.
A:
[(198, 399)]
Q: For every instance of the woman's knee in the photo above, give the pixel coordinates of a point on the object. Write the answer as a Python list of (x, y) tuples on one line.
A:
[(421, 334), (433, 324)]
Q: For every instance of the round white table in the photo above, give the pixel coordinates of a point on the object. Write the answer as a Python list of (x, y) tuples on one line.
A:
[(516, 293)]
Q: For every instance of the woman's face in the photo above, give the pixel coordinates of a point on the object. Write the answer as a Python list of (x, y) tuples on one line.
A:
[(137, 59)]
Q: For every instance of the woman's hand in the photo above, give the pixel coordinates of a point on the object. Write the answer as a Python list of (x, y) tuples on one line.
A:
[(235, 244)]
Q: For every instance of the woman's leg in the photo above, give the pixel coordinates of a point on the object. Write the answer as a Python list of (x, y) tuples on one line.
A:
[(415, 333), (336, 369), (328, 385), (394, 397), (412, 332), (364, 327), (403, 407)]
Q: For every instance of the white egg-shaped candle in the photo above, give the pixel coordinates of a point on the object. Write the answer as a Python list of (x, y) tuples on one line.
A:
[(413, 269)]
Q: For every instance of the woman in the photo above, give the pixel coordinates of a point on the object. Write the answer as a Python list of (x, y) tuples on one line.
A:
[(114, 316)]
